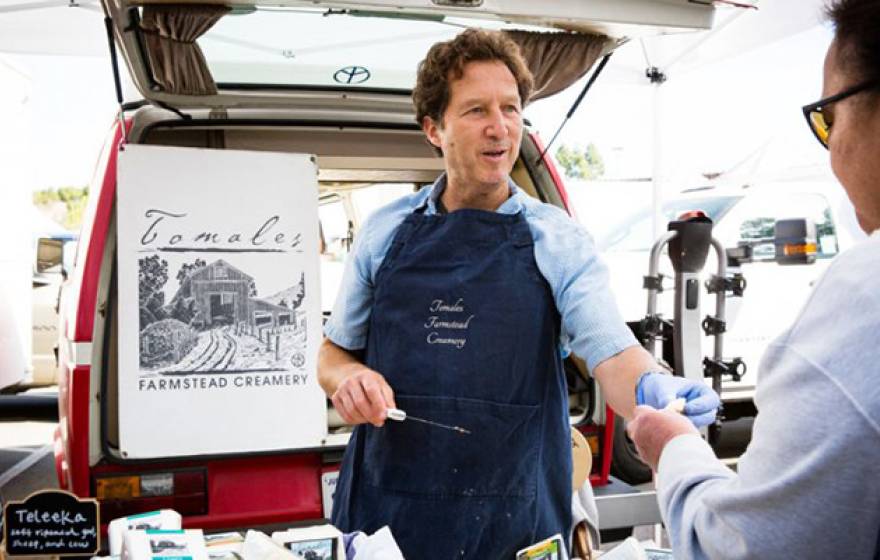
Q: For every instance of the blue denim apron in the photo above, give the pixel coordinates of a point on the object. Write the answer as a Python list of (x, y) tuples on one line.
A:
[(465, 330)]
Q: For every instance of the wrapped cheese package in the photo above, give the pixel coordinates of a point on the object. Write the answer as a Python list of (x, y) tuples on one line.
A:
[(159, 519), (258, 546), (165, 544)]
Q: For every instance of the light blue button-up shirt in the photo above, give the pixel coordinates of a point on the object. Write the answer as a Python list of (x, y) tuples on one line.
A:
[(564, 252)]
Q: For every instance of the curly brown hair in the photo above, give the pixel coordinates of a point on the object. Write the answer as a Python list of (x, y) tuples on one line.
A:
[(445, 63)]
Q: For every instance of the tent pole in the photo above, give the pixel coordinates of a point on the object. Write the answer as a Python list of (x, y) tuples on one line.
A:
[(657, 78), (657, 155)]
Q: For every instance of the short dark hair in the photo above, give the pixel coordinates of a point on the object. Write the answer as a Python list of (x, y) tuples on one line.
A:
[(445, 62), (857, 32)]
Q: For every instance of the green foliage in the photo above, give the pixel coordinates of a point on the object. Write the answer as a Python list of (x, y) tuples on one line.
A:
[(572, 162), (594, 161), (74, 199), (75, 211), (579, 163)]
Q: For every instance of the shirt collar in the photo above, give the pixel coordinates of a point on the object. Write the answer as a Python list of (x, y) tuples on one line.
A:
[(512, 205)]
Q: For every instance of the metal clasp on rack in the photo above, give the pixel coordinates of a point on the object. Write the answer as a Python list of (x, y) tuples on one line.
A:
[(714, 326), (734, 368), (733, 285)]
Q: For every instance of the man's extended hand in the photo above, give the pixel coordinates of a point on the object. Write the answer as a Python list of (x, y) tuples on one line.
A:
[(652, 429), (363, 396), (658, 389)]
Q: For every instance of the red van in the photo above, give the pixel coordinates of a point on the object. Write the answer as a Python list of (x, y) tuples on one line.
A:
[(318, 77)]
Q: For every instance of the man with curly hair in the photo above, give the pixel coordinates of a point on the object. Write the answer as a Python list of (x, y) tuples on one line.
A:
[(452, 308)]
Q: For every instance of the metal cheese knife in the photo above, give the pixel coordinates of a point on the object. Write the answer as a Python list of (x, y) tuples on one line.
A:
[(399, 416)]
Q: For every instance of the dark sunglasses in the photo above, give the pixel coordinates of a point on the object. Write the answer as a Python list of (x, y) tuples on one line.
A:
[(820, 119)]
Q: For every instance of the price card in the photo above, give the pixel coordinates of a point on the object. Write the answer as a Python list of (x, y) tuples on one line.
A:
[(51, 522)]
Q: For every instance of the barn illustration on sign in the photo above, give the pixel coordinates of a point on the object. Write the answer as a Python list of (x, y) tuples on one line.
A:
[(215, 322)]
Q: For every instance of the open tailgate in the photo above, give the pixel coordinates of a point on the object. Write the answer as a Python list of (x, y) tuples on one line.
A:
[(266, 54)]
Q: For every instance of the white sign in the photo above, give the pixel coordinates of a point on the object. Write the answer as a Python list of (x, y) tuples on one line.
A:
[(219, 307)]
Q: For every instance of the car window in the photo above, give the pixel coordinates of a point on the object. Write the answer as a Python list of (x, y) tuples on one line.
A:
[(635, 232), (752, 222)]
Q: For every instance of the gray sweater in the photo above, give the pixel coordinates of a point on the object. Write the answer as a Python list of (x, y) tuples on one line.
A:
[(808, 486)]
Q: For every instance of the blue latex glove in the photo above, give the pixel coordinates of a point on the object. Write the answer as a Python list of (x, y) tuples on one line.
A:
[(658, 389)]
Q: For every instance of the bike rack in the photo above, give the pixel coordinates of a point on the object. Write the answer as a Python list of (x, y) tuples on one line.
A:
[(689, 239)]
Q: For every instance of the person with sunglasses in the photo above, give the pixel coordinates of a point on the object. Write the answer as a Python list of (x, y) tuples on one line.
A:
[(807, 486)]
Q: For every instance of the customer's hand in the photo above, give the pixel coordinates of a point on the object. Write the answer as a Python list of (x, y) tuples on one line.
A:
[(658, 389), (363, 396), (652, 429)]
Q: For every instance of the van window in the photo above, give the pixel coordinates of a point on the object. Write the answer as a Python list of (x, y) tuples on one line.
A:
[(317, 47)]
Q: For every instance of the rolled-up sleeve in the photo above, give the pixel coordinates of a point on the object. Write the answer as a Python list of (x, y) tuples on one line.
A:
[(591, 320)]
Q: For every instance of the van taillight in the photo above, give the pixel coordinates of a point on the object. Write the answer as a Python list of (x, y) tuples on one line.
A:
[(120, 495)]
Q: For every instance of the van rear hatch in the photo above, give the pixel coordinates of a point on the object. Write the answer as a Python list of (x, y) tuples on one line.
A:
[(252, 53)]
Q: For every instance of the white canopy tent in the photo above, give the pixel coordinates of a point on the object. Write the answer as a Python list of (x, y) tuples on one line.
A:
[(738, 33), (730, 104), (52, 27), (15, 282), (30, 31)]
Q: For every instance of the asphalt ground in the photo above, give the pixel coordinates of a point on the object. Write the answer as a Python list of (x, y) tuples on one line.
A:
[(27, 463)]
